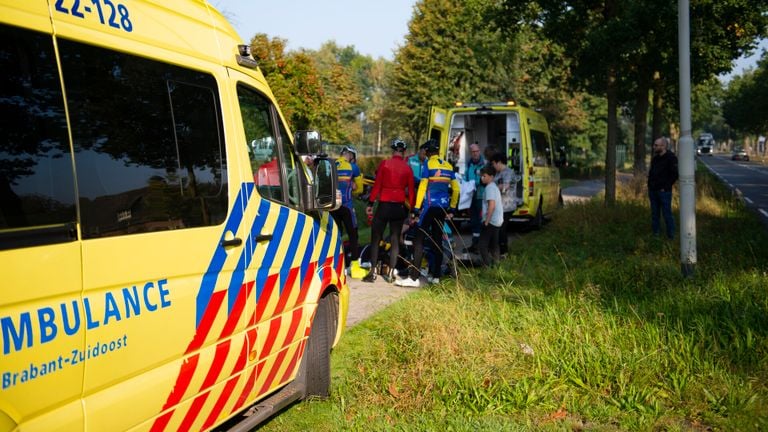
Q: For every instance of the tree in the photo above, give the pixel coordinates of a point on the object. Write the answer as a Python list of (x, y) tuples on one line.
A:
[(592, 34), (294, 81), (622, 50), (452, 53), (745, 107), (344, 77)]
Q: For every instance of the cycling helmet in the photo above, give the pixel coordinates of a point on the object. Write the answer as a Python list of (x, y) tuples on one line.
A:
[(349, 149), (398, 144), (431, 146)]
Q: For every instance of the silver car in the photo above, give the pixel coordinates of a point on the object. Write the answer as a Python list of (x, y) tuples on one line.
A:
[(739, 154)]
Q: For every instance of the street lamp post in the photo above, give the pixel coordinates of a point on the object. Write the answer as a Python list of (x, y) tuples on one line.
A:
[(686, 159)]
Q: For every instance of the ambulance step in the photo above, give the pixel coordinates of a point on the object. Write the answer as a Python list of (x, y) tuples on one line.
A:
[(269, 406)]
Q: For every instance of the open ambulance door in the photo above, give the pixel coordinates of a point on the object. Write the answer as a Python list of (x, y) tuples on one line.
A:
[(438, 127)]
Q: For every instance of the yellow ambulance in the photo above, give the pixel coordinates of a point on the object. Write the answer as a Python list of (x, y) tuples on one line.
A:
[(521, 134), (168, 261)]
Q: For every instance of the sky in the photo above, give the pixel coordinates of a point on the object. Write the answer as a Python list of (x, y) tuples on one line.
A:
[(374, 28), (746, 62)]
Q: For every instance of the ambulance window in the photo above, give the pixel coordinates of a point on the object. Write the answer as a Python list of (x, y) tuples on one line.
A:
[(542, 154), (435, 134), (37, 188), (259, 120), (147, 139), (291, 166)]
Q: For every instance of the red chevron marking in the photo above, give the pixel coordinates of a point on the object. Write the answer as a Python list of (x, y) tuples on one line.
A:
[(266, 294), (207, 322), (182, 383)]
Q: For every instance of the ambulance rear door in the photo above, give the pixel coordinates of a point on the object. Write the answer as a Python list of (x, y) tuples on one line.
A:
[(439, 122)]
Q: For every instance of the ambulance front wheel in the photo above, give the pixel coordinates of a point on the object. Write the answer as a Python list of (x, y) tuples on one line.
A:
[(315, 370)]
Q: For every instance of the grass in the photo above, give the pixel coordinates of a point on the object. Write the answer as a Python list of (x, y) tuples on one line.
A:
[(588, 325)]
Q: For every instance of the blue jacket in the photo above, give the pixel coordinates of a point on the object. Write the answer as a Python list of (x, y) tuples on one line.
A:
[(473, 174), (438, 186)]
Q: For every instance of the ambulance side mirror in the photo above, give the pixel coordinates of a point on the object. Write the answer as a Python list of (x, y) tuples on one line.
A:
[(324, 194)]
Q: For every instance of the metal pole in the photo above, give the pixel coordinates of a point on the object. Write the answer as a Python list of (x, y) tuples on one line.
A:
[(686, 156)]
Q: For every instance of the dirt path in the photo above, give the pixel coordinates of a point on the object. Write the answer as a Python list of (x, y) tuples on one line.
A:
[(365, 299)]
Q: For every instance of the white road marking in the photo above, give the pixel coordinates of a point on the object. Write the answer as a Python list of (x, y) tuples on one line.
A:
[(765, 213), (748, 200)]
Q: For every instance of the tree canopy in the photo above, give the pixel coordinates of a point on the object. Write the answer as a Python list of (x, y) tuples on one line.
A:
[(746, 100), (587, 64)]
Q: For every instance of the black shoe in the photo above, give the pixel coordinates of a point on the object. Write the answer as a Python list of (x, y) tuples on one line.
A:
[(370, 277), (390, 276)]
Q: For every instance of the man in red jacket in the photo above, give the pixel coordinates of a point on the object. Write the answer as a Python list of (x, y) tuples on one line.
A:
[(393, 188)]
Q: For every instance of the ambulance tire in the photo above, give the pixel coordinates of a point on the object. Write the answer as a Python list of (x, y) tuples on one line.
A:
[(315, 371)]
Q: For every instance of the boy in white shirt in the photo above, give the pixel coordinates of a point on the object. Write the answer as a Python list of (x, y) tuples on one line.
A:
[(492, 217)]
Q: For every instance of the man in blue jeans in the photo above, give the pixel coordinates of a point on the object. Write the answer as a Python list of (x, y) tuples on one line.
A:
[(474, 165), (661, 177)]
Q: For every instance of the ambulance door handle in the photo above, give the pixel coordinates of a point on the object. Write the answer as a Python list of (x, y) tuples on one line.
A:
[(231, 242), (263, 237)]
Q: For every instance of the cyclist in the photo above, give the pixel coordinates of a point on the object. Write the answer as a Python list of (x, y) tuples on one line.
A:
[(393, 188)]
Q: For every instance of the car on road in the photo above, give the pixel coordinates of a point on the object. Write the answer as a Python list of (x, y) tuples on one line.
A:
[(739, 154)]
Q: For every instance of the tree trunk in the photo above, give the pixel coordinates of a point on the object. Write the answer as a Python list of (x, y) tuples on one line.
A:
[(610, 149), (641, 124)]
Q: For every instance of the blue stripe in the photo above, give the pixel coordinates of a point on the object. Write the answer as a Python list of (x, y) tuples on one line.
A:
[(208, 283), (337, 253), (307, 259), (269, 257), (249, 248), (326, 243), (285, 268)]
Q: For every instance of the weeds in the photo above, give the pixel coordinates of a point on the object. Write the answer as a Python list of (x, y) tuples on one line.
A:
[(588, 325)]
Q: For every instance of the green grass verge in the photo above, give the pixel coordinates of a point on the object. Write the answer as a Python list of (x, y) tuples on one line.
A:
[(588, 325)]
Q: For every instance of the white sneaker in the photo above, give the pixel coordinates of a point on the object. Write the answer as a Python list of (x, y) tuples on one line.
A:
[(433, 280), (408, 282)]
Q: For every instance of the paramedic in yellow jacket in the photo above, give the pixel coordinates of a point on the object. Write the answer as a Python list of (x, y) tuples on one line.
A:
[(436, 200), (349, 176)]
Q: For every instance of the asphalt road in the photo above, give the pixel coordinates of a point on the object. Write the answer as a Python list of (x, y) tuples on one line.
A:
[(747, 179)]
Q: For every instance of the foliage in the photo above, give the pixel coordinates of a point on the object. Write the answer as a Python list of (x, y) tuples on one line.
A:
[(294, 80), (343, 74), (746, 100), (623, 50), (592, 329), (324, 90), (452, 52)]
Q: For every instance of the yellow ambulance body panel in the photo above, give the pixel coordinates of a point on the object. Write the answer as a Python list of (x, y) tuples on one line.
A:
[(518, 132), (158, 273)]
